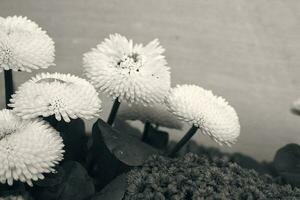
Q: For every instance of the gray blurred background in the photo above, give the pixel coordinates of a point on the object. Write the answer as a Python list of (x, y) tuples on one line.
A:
[(245, 51)]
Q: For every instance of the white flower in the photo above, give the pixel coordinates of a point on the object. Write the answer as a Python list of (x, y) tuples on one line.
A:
[(28, 148), (63, 95), (24, 45), (212, 114), (131, 73), (158, 114)]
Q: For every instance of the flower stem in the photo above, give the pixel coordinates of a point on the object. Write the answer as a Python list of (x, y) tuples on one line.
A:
[(113, 112), (183, 141), (9, 86), (145, 133)]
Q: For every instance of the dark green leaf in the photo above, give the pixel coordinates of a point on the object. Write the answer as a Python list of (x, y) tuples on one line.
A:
[(74, 138), (16, 189), (113, 153), (102, 165), (75, 184), (287, 163), (52, 179), (126, 128), (156, 138), (295, 111), (126, 148), (113, 191)]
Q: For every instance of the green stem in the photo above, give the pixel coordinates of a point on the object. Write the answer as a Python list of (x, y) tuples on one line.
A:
[(113, 112), (9, 86), (183, 141)]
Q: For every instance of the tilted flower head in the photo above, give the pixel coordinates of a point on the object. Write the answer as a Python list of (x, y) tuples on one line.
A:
[(158, 114), (201, 108), (28, 148), (63, 95), (131, 73), (24, 45)]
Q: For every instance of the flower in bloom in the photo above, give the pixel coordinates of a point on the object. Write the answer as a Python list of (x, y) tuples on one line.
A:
[(158, 114), (63, 95), (28, 148), (201, 108), (24, 45), (130, 72)]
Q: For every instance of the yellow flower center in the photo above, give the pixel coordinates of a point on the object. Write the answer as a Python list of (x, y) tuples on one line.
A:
[(5, 55), (56, 105), (130, 63)]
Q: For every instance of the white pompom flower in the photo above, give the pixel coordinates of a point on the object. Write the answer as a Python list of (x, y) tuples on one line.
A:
[(24, 45), (28, 148), (201, 108), (63, 95), (158, 115), (130, 72)]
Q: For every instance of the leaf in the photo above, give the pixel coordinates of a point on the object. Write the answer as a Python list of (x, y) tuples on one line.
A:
[(102, 165), (156, 138), (74, 138), (113, 153), (127, 128), (126, 148), (75, 184), (295, 111), (287, 163), (52, 179), (16, 189), (248, 162), (114, 190)]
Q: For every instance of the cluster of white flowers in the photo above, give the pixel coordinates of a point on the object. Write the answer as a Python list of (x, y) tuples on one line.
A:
[(63, 95), (132, 73), (24, 45), (28, 148), (201, 108)]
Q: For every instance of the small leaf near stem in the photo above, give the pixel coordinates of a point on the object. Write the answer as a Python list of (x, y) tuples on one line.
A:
[(145, 133), (183, 141), (113, 112), (9, 86)]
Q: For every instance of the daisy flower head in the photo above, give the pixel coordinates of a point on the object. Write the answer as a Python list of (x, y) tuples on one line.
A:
[(24, 45), (201, 108), (63, 95), (157, 114), (28, 148), (133, 73)]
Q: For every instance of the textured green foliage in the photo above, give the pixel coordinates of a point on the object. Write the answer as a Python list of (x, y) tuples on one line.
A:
[(195, 178)]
